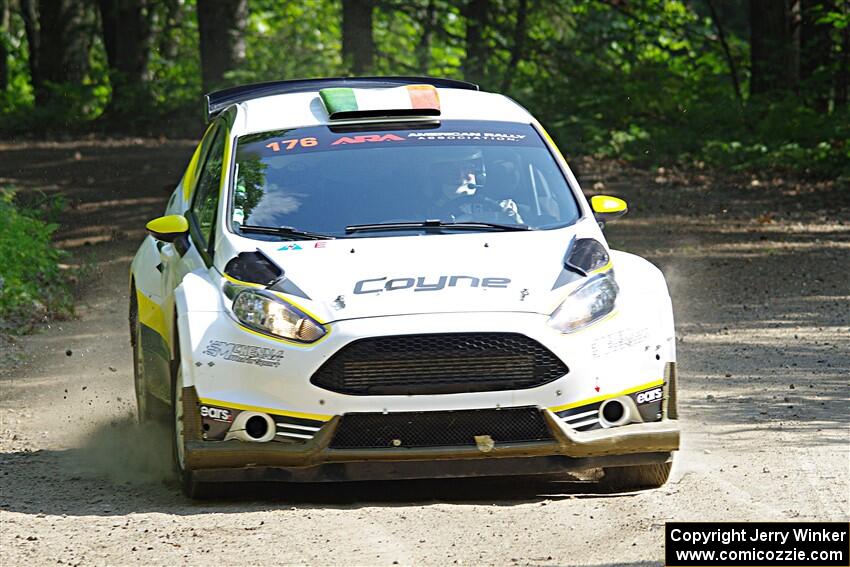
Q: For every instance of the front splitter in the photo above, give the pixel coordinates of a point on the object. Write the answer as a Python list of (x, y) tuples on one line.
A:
[(430, 469), (315, 461)]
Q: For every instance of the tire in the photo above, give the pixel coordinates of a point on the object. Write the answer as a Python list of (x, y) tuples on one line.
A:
[(191, 488), (637, 476), (145, 404)]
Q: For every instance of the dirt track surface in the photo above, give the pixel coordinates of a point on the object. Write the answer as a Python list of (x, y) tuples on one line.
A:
[(760, 278)]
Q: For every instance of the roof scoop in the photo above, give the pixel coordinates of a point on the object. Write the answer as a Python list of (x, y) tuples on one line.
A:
[(410, 100)]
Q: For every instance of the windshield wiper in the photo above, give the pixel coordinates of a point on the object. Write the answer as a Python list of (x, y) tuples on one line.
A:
[(285, 231), (434, 224)]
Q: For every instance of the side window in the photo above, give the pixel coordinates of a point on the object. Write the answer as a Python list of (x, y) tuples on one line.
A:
[(206, 197)]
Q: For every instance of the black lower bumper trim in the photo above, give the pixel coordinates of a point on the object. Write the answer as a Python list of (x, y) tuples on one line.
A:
[(401, 470)]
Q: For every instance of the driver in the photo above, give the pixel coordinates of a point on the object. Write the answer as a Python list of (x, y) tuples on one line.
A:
[(460, 180)]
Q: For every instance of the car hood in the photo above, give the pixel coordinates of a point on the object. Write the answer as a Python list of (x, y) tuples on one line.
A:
[(445, 273)]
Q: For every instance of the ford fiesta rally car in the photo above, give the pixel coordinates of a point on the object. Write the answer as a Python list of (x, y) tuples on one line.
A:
[(384, 278)]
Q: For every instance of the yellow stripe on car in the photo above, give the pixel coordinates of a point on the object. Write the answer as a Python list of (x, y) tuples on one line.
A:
[(552, 142), (228, 146), (189, 177), (233, 280), (272, 411), (604, 268), (602, 397), (151, 315), (287, 341)]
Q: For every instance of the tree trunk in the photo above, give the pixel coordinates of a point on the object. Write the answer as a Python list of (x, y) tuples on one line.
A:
[(477, 14), (721, 35), (65, 33), (4, 53), (770, 48), (815, 55), (358, 45), (172, 19), (423, 48), (221, 26), (793, 23), (126, 38), (29, 14), (520, 35), (842, 76)]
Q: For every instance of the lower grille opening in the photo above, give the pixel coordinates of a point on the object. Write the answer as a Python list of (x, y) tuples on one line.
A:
[(440, 428)]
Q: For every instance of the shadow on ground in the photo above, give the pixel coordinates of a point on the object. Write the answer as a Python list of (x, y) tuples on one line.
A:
[(121, 469)]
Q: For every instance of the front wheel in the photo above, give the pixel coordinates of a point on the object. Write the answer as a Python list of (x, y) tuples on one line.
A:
[(637, 476), (144, 406), (191, 487)]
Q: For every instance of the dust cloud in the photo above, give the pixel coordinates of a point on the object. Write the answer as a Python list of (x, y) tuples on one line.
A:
[(123, 451)]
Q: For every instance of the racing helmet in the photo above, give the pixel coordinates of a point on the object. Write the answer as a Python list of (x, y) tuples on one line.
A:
[(458, 167)]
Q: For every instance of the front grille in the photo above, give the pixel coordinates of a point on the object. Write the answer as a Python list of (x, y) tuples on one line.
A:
[(442, 363), (439, 428)]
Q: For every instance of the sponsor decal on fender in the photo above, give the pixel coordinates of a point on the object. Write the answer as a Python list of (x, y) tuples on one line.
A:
[(649, 396), (618, 341), (218, 414), (246, 354)]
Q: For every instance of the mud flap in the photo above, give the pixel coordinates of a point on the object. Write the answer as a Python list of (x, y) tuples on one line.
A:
[(156, 362), (670, 406)]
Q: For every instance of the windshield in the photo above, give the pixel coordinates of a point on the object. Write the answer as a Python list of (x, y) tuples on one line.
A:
[(325, 179)]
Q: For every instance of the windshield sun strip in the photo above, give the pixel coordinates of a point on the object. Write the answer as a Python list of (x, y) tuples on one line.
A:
[(547, 143)]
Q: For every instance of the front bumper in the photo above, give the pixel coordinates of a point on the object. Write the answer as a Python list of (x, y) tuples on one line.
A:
[(316, 461)]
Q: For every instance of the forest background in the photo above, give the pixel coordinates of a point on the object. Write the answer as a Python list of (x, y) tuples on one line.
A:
[(733, 84)]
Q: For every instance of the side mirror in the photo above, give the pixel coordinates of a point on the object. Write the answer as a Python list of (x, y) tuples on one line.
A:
[(607, 208), (169, 228)]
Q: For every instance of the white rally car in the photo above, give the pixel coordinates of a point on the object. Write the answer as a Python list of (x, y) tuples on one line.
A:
[(381, 278)]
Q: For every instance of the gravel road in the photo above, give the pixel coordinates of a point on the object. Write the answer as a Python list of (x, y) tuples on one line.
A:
[(759, 271)]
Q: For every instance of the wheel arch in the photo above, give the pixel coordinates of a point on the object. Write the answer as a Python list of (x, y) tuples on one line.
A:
[(643, 287), (197, 302)]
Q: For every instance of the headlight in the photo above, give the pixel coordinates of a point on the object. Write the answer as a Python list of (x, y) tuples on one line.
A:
[(263, 311), (587, 304)]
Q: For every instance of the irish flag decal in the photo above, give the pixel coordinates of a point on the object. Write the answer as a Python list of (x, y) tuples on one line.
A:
[(412, 100)]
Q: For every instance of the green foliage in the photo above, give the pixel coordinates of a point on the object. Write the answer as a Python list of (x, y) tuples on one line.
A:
[(644, 80), (289, 40), (32, 286), (175, 63), (18, 95)]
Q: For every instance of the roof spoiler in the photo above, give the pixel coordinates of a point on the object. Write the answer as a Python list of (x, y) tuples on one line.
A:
[(219, 100)]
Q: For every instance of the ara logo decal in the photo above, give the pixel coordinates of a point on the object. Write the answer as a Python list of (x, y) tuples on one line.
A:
[(286, 247), (376, 285), (367, 138)]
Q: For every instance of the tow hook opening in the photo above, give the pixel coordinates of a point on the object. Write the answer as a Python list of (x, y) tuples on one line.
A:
[(256, 427), (613, 413), (252, 426)]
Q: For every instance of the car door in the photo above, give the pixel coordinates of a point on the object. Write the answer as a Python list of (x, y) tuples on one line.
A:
[(195, 252)]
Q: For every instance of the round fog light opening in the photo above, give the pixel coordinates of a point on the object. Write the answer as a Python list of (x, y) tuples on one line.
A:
[(613, 411), (256, 427)]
